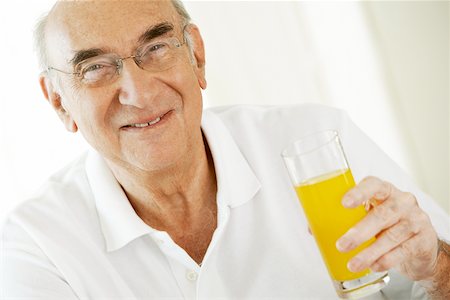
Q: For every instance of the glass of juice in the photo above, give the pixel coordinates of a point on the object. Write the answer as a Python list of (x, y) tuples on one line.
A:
[(321, 176)]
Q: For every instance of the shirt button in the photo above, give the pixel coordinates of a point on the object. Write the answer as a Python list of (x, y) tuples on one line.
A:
[(191, 275)]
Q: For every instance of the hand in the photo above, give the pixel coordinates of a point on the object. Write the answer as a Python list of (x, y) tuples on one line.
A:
[(406, 240)]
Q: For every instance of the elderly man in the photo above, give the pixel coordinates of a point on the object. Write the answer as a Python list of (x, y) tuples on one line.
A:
[(173, 202)]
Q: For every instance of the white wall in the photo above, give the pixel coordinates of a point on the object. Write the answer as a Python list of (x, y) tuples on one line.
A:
[(413, 41), (383, 62)]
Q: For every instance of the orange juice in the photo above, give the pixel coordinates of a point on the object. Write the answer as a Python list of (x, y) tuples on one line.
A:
[(321, 200)]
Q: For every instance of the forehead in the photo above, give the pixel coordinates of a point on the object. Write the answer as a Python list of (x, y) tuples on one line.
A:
[(115, 25)]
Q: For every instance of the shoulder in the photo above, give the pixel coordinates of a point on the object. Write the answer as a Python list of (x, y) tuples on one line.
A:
[(42, 235), (282, 123), (308, 115), (62, 199), (295, 111)]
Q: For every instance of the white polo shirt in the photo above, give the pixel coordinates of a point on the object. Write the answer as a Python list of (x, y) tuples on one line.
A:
[(79, 237)]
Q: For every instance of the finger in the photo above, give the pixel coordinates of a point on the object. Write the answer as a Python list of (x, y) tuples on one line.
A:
[(378, 219), (416, 257), (389, 260), (386, 241), (369, 188), (414, 249)]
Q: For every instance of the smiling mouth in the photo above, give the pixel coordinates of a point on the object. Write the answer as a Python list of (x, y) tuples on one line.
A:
[(140, 125), (149, 123)]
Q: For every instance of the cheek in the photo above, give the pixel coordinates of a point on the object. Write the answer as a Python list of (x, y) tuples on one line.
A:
[(93, 115), (188, 82), (185, 72)]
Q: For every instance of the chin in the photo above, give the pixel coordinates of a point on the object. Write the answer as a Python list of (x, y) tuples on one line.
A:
[(157, 161)]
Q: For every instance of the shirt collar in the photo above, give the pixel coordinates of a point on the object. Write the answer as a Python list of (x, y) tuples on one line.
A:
[(236, 181), (120, 224)]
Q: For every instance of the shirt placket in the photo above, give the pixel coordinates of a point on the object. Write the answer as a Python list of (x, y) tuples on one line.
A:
[(184, 269)]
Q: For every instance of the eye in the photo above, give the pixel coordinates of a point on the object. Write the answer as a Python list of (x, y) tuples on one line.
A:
[(93, 68), (154, 50), (157, 47), (97, 71)]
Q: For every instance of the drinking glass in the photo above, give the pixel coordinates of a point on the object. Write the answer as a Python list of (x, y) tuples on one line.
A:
[(321, 176)]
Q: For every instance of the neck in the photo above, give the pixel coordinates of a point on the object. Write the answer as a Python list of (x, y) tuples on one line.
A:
[(174, 197)]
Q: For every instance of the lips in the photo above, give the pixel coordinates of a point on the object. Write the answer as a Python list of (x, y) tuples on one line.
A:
[(151, 121), (140, 125)]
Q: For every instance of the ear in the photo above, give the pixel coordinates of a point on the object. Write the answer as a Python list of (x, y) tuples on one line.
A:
[(199, 54), (54, 98)]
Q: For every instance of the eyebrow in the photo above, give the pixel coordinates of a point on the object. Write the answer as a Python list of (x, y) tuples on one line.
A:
[(155, 31), (85, 54), (149, 34)]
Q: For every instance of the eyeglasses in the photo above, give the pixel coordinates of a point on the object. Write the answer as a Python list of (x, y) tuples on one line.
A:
[(154, 56)]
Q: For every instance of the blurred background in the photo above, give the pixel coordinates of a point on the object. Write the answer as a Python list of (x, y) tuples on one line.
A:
[(386, 63)]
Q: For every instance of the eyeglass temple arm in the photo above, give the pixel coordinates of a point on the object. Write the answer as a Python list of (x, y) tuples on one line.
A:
[(69, 73)]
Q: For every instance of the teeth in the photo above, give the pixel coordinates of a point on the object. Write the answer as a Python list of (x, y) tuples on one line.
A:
[(155, 121), (146, 124)]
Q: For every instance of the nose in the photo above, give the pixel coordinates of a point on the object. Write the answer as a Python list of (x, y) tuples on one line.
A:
[(137, 86)]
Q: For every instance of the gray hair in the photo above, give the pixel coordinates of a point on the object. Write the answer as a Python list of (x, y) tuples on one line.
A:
[(41, 49)]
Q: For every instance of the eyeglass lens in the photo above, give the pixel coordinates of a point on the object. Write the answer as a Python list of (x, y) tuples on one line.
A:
[(155, 56)]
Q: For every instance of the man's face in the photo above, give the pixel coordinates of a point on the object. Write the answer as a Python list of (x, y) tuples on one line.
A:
[(106, 115)]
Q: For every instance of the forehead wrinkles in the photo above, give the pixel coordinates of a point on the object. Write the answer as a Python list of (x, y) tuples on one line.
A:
[(107, 24)]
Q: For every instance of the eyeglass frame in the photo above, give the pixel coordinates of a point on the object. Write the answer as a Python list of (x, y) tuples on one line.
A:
[(119, 60)]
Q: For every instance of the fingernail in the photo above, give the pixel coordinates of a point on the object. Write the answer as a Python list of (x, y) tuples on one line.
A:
[(354, 265), (346, 243), (343, 244), (347, 201)]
